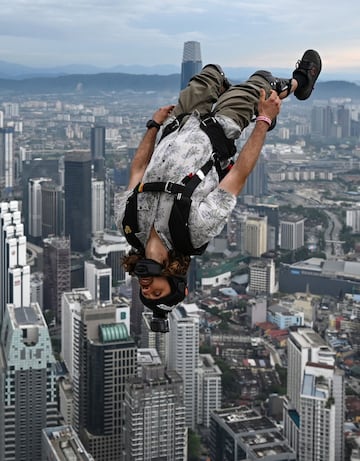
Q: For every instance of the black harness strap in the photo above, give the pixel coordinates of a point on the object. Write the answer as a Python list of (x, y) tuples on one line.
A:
[(130, 223), (223, 149)]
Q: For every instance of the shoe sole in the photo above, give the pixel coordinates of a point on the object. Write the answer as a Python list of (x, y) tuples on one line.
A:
[(311, 57)]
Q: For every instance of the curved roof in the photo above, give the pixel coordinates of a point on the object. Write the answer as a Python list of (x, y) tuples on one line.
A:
[(113, 332)]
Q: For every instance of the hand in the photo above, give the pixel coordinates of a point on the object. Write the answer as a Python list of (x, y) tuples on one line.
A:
[(269, 107), (162, 114)]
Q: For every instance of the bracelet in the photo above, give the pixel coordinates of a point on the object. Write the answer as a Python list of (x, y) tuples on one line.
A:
[(264, 118)]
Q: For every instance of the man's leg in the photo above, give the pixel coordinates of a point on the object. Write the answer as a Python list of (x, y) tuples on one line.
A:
[(240, 102), (202, 91)]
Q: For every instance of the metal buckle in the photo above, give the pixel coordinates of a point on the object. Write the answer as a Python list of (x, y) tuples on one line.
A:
[(206, 121), (168, 187)]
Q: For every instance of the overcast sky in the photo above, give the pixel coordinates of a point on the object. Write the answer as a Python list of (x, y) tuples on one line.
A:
[(234, 33)]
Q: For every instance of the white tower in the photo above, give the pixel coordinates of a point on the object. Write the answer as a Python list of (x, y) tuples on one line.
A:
[(98, 206), (183, 353), (14, 272)]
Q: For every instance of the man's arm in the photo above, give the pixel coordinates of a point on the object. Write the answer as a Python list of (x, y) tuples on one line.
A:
[(235, 180), (146, 148)]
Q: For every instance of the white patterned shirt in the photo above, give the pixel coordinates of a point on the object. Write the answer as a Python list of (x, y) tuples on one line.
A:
[(182, 152)]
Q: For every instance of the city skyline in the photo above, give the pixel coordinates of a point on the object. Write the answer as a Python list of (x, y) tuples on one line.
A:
[(111, 34)]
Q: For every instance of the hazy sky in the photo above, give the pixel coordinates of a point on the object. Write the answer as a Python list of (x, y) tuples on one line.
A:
[(234, 33)]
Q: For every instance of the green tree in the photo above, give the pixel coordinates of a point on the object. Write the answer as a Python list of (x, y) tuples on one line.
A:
[(194, 446)]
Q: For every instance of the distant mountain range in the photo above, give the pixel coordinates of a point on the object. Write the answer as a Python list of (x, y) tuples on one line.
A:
[(16, 78)]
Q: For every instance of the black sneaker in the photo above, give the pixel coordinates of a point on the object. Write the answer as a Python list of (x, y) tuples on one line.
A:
[(277, 84), (309, 67)]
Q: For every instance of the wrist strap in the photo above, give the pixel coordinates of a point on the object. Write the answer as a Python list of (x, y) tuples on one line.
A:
[(264, 118)]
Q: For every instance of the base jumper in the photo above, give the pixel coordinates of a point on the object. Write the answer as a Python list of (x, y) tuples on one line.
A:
[(183, 182)]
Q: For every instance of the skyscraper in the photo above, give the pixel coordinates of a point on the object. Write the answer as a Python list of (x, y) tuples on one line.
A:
[(243, 433), (292, 233), (52, 209), (7, 157), (14, 271), (322, 405), (272, 213), (98, 206), (100, 357), (97, 142), (314, 409), (256, 236), (57, 274), (97, 148), (98, 281), (78, 200), (257, 182), (183, 355), (61, 443), (35, 208), (37, 168), (154, 413), (191, 62), (27, 383)]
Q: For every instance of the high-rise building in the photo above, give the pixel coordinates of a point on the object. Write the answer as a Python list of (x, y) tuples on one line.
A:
[(312, 401), (257, 182), (52, 209), (256, 236), (27, 383), (78, 200), (110, 248), (97, 148), (241, 433), (98, 206), (292, 233), (151, 339), (14, 270), (262, 277), (61, 443), (322, 405), (7, 158), (98, 281), (183, 355), (100, 357), (208, 377), (37, 168), (57, 272), (35, 208), (154, 413), (97, 142), (272, 213), (191, 62)]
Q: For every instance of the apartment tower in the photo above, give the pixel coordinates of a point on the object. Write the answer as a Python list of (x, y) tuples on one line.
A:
[(314, 409), (154, 413), (28, 400)]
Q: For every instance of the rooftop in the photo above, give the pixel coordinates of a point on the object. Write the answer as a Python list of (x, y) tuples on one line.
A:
[(66, 444)]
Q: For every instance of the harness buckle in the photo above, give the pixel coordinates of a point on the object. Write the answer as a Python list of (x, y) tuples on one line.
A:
[(207, 121), (168, 187)]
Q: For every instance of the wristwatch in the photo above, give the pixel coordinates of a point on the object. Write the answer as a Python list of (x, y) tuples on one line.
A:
[(152, 124)]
